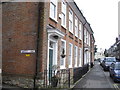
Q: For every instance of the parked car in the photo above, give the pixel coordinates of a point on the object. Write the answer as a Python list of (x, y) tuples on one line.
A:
[(98, 59), (107, 62), (101, 60), (114, 71)]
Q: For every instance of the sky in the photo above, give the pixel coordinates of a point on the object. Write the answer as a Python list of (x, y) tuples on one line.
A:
[(103, 18)]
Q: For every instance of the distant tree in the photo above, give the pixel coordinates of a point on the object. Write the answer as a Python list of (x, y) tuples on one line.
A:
[(106, 53), (95, 49)]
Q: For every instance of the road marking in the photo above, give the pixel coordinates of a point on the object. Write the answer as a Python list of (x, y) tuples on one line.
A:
[(116, 86)]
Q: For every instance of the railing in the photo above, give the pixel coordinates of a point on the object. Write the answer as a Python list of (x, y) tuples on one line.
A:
[(79, 72), (61, 78), (53, 78)]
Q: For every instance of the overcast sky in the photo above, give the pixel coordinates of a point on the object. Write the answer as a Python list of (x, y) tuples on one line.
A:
[(103, 17)]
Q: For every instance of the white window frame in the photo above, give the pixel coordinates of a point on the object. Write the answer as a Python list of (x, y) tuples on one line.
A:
[(89, 39), (71, 20), (80, 57), (85, 35), (76, 26), (63, 19), (70, 55), (55, 49), (63, 66), (89, 57), (85, 58), (53, 2), (76, 55), (80, 30)]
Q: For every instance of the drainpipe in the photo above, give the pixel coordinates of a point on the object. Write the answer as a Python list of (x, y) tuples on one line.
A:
[(37, 48), (90, 49), (83, 41)]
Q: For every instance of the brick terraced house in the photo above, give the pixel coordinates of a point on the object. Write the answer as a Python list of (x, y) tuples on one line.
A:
[(45, 39)]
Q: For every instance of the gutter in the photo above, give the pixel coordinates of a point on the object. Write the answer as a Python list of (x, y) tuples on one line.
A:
[(37, 48)]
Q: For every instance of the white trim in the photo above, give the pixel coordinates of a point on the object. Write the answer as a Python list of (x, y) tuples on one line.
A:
[(71, 45), (64, 13), (85, 35), (80, 30), (0, 71), (55, 32), (63, 66), (89, 39), (55, 52), (76, 26), (89, 58), (51, 33), (54, 20), (51, 11), (85, 57), (80, 57), (76, 56), (70, 20)]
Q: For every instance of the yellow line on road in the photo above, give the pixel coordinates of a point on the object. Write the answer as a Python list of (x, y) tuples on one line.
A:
[(116, 86)]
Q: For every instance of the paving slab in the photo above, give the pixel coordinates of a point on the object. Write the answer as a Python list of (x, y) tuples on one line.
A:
[(95, 78)]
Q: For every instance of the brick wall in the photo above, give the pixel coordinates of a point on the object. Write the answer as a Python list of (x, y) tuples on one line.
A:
[(20, 25), (25, 28)]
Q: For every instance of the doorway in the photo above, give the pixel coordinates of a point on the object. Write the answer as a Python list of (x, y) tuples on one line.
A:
[(52, 58)]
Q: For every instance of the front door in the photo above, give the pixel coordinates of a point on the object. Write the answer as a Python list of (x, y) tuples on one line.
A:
[(50, 63), (51, 58)]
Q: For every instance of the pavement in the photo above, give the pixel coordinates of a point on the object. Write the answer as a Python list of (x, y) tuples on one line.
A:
[(95, 78)]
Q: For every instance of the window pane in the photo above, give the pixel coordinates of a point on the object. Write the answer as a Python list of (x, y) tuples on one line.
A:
[(76, 52), (70, 20), (63, 13), (70, 15), (69, 49), (63, 19), (51, 44), (62, 61), (52, 10), (70, 26), (76, 26), (63, 7), (70, 54), (62, 47), (80, 27)]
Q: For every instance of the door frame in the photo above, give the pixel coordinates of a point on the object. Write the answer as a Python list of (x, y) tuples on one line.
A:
[(55, 51)]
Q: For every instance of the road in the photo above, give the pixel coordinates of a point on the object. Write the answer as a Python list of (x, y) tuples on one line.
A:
[(97, 78), (115, 85)]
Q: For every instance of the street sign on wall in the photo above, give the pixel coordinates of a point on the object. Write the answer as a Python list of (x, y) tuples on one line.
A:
[(27, 55), (27, 51)]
